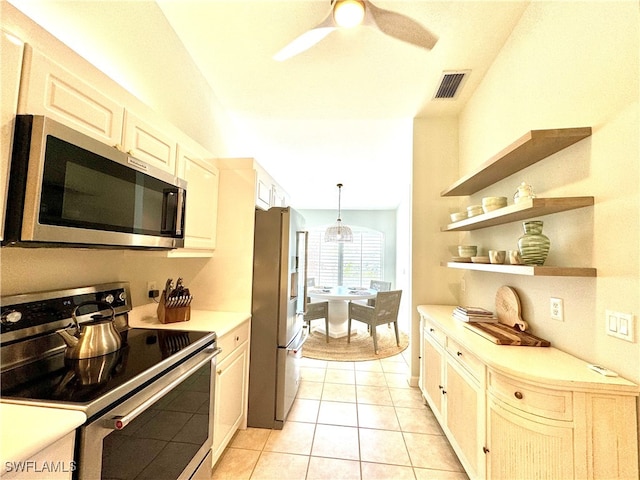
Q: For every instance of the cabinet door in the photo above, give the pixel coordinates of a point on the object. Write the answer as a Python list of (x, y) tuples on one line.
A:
[(523, 448), (230, 398), (432, 370), (202, 200), (49, 89), (12, 50), (149, 143), (465, 418)]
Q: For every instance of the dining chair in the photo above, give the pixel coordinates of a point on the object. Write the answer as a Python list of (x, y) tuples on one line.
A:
[(379, 286), (318, 311), (385, 311)]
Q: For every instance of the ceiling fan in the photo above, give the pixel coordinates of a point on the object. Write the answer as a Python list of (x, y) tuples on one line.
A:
[(350, 13)]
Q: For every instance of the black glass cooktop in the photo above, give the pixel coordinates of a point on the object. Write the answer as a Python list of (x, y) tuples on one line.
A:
[(58, 379)]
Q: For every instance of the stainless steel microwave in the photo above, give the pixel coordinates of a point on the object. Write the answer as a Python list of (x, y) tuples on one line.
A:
[(68, 189)]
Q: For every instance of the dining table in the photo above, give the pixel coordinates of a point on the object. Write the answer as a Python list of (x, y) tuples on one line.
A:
[(339, 298)]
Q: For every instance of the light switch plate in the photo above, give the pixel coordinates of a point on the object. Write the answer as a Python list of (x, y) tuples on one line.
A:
[(620, 325)]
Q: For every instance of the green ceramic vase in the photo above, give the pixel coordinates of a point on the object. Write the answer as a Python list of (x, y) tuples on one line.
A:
[(533, 245)]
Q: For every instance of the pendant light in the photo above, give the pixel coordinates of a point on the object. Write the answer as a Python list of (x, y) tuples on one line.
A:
[(338, 232)]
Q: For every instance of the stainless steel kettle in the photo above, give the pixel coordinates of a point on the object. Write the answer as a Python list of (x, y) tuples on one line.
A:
[(93, 338)]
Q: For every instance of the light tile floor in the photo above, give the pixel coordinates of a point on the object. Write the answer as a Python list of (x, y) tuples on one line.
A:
[(350, 420)]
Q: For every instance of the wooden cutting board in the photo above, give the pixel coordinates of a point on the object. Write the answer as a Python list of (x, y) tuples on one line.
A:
[(508, 309), (501, 334)]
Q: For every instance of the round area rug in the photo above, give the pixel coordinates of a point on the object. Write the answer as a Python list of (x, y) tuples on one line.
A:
[(360, 348)]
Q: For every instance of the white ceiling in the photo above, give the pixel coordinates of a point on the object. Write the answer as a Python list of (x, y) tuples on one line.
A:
[(339, 112)]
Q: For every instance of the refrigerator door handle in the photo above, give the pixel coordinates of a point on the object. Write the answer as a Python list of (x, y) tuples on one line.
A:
[(303, 338)]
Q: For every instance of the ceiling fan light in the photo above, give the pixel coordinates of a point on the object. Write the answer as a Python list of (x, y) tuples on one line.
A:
[(348, 13)]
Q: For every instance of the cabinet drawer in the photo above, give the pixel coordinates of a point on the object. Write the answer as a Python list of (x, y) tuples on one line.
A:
[(554, 404), (434, 332), (230, 341), (466, 359)]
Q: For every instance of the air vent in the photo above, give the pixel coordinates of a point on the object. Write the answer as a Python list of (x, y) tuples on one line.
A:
[(450, 84)]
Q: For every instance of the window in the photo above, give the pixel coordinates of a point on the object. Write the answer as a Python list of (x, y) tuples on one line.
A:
[(350, 264)]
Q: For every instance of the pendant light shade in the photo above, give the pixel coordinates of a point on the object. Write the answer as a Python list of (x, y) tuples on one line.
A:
[(338, 232)]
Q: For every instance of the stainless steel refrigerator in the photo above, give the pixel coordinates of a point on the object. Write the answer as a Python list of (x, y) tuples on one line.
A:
[(278, 300)]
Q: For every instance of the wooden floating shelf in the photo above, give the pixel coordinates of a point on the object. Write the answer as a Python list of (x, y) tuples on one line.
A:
[(528, 270), (527, 150), (526, 208)]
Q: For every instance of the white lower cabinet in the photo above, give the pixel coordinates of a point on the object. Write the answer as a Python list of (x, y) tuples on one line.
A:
[(54, 462), (231, 386), (525, 412)]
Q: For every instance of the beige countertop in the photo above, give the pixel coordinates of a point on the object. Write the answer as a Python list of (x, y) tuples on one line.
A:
[(26, 430), (546, 365), (201, 320)]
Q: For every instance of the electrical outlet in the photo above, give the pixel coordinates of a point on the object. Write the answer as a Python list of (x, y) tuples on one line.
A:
[(151, 286), (557, 309)]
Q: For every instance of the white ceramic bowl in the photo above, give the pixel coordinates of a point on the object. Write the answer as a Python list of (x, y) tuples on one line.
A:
[(493, 203), (474, 210), (467, 250), (456, 217)]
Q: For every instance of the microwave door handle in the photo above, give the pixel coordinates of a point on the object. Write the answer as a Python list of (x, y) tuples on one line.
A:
[(180, 209)]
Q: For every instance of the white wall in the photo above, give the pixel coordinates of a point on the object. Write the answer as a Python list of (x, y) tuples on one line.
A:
[(569, 64)]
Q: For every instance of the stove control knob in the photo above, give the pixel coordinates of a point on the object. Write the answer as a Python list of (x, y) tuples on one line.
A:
[(122, 297), (11, 317), (109, 298)]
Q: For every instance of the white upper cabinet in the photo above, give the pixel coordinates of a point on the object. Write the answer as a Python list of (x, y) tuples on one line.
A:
[(202, 198), (49, 89), (12, 50), (149, 142)]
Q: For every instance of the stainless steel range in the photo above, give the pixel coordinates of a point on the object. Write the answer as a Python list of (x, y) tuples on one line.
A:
[(149, 403)]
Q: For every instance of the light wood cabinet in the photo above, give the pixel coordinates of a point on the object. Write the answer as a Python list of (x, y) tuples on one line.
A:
[(525, 151), (47, 88), (231, 386), (514, 440), (453, 386), (202, 198), (537, 413), (12, 52)]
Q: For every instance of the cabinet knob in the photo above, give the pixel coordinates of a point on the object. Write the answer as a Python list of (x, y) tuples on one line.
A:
[(237, 338), (440, 387), (485, 450), (444, 392), (432, 329), (459, 354), (219, 372), (518, 395)]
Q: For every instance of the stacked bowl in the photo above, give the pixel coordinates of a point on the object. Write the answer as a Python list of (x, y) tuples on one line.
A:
[(474, 210), (493, 203)]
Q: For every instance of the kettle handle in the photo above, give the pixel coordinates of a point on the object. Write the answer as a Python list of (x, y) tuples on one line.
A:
[(90, 302)]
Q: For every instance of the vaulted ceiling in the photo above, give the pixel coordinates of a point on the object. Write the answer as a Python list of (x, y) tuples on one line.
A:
[(341, 111)]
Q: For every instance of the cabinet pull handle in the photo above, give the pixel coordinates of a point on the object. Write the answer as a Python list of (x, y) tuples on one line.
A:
[(444, 392), (485, 450), (440, 387), (237, 338), (518, 395), (459, 354)]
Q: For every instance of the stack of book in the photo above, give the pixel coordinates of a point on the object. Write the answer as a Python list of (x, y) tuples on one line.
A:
[(474, 314)]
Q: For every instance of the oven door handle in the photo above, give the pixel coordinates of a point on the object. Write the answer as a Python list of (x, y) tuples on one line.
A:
[(121, 421)]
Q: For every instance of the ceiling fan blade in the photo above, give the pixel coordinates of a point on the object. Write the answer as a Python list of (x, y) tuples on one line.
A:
[(308, 39), (400, 26)]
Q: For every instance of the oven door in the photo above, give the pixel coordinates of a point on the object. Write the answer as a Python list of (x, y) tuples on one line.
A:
[(162, 432)]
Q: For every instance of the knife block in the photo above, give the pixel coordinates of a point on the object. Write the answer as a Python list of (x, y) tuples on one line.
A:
[(172, 314)]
